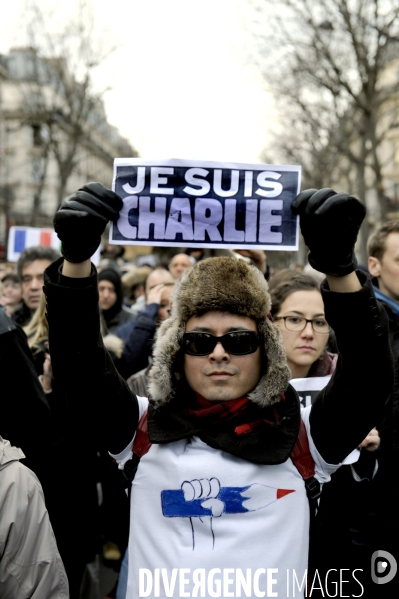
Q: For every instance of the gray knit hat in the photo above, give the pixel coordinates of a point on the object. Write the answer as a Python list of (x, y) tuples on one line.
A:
[(227, 285)]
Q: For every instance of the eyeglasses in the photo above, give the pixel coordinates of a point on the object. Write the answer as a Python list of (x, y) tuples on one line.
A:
[(298, 323), (236, 343)]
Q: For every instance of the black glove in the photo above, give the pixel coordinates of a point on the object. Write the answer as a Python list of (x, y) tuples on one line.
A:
[(330, 223), (81, 220)]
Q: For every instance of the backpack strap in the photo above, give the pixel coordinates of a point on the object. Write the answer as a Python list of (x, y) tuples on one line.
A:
[(302, 459), (141, 445)]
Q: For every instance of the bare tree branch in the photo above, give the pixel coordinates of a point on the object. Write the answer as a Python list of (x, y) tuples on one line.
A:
[(327, 63)]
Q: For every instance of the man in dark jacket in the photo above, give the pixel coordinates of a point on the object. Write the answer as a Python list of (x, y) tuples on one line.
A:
[(30, 266), (383, 264), (217, 488)]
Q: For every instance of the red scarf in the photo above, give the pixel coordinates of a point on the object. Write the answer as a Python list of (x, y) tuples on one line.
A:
[(232, 410), (324, 365)]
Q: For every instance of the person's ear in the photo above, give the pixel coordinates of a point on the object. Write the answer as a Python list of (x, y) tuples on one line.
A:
[(374, 266)]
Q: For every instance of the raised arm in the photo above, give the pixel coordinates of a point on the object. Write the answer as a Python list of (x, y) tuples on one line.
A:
[(76, 271), (100, 400), (353, 401), (347, 284)]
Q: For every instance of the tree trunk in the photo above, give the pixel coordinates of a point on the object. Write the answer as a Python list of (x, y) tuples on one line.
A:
[(361, 192)]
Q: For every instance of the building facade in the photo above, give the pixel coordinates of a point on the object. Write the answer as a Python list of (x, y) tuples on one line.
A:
[(54, 137)]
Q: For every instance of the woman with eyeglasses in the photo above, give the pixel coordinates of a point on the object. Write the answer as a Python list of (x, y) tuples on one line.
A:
[(346, 511), (298, 310)]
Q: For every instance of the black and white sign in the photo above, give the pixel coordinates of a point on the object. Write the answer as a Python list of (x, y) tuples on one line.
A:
[(185, 203), (309, 387)]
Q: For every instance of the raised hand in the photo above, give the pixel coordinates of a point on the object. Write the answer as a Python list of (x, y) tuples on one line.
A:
[(81, 220), (330, 224)]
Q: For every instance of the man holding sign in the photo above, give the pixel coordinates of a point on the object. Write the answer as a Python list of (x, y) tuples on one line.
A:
[(216, 499)]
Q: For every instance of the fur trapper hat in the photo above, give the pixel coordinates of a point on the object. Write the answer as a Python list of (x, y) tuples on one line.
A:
[(227, 285)]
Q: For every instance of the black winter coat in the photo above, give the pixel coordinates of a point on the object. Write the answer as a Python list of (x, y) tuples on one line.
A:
[(25, 413), (386, 483)]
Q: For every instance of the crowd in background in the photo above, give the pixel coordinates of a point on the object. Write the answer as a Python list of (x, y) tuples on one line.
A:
[(87, 502)]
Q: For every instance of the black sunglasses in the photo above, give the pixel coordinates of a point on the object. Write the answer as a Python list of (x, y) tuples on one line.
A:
[(237, 343)]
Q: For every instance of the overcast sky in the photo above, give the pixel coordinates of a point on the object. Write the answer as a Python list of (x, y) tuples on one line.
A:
[(182, 81)]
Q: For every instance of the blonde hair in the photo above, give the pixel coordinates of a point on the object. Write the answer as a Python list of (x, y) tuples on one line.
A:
[(37, 328)]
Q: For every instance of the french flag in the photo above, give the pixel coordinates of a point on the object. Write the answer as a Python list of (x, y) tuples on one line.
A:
[(20, 238)]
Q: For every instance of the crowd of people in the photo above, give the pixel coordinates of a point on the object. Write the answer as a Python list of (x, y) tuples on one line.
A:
[(152, 412)]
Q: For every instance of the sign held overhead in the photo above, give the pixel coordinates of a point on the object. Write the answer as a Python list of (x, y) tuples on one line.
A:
[(185, 203)]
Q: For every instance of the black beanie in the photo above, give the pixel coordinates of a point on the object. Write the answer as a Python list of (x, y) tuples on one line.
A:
[(109, 274)]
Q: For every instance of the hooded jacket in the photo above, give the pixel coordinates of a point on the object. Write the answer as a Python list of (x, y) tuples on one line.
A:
[(30, 565), (118, 314)]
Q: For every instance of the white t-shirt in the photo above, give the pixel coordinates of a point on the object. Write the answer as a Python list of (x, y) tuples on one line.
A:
[(207, 524)]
